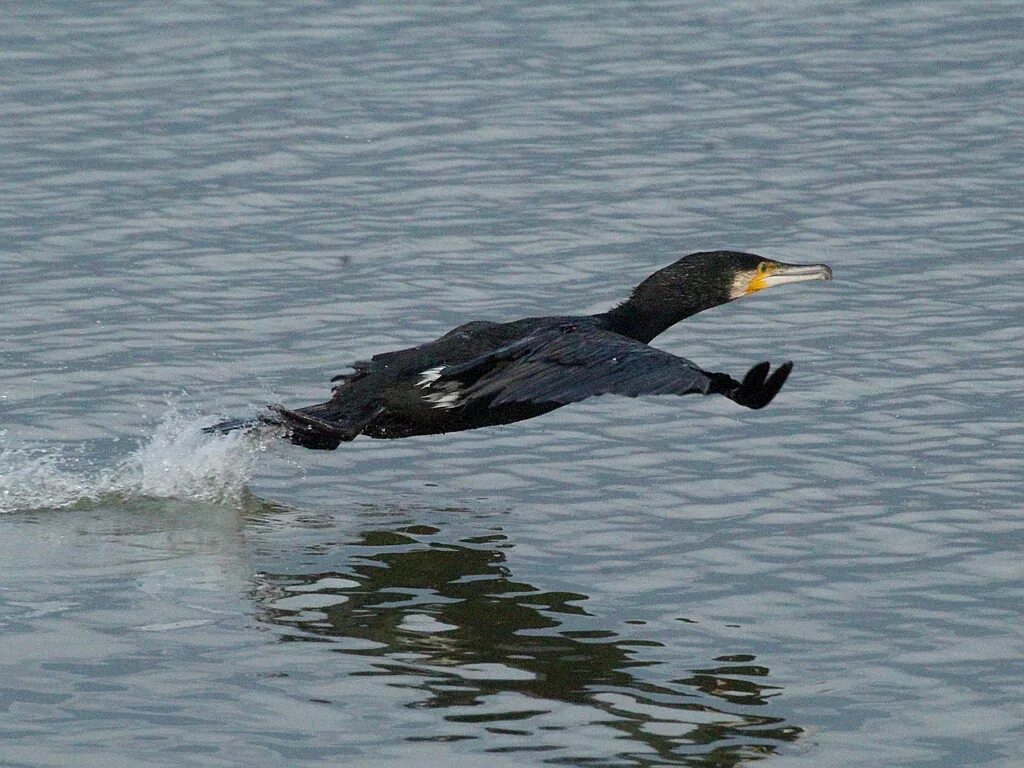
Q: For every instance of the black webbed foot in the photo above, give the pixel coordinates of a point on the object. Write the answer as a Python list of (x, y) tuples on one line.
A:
[(757, 388)]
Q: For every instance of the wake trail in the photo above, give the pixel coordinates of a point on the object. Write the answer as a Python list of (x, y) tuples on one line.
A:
[(178, 461)]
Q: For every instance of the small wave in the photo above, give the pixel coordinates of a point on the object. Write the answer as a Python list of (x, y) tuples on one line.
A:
[(178, 461)]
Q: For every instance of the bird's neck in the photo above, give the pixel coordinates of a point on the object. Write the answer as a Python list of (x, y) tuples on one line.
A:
[(641, 324), (662, 300)]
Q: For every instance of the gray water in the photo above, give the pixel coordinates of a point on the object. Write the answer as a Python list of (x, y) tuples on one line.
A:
[(209, 206)]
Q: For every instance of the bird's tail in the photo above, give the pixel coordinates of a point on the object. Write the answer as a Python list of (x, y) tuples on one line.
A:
[(234, 425), (263, 422), (309, 427)]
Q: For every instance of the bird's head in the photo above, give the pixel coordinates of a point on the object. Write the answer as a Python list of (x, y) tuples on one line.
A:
[(704, 280), (749, 273)]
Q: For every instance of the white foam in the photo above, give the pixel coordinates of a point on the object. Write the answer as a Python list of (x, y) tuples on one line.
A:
[(178, 461)]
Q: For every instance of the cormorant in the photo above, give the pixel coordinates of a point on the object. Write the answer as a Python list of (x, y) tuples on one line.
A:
[(485, 373)]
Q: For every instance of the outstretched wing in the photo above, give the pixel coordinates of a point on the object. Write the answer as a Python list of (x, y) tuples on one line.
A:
[(571, 363)]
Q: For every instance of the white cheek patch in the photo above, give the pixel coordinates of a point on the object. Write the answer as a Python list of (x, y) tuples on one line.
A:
[(739, 284)]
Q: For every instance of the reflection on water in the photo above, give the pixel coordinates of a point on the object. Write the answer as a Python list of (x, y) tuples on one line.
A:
[(495, 654)]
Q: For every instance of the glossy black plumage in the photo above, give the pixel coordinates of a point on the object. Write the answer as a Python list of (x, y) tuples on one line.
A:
[(485, 373), (574, 361)]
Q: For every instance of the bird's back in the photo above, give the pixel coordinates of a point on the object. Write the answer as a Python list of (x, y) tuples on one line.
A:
[(395, 386)]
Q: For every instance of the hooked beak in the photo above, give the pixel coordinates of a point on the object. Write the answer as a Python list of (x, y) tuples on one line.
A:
[(776, 273)]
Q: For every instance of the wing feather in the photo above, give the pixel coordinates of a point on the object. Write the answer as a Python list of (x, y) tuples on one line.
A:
[(571, 363)]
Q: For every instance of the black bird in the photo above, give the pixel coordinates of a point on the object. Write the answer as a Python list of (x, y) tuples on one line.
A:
[(485, 373)]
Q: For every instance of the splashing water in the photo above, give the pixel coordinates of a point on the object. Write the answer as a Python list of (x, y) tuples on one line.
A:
[(178, 461)]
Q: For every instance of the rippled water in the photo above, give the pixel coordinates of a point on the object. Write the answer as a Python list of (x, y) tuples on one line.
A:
[(206, 207)]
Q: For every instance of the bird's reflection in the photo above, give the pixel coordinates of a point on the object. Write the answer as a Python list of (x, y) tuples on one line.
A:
[(448, 618)]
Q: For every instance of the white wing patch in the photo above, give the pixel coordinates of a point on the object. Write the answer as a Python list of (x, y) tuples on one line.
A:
[(429, 376), (444, 399), (449, 395)]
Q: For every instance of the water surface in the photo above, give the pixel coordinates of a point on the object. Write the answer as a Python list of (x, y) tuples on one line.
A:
[(206, 207)]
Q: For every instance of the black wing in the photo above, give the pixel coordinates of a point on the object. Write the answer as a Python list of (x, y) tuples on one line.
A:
[(571, 363)]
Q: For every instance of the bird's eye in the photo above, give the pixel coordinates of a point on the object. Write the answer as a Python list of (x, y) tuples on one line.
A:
[(762, 267)]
